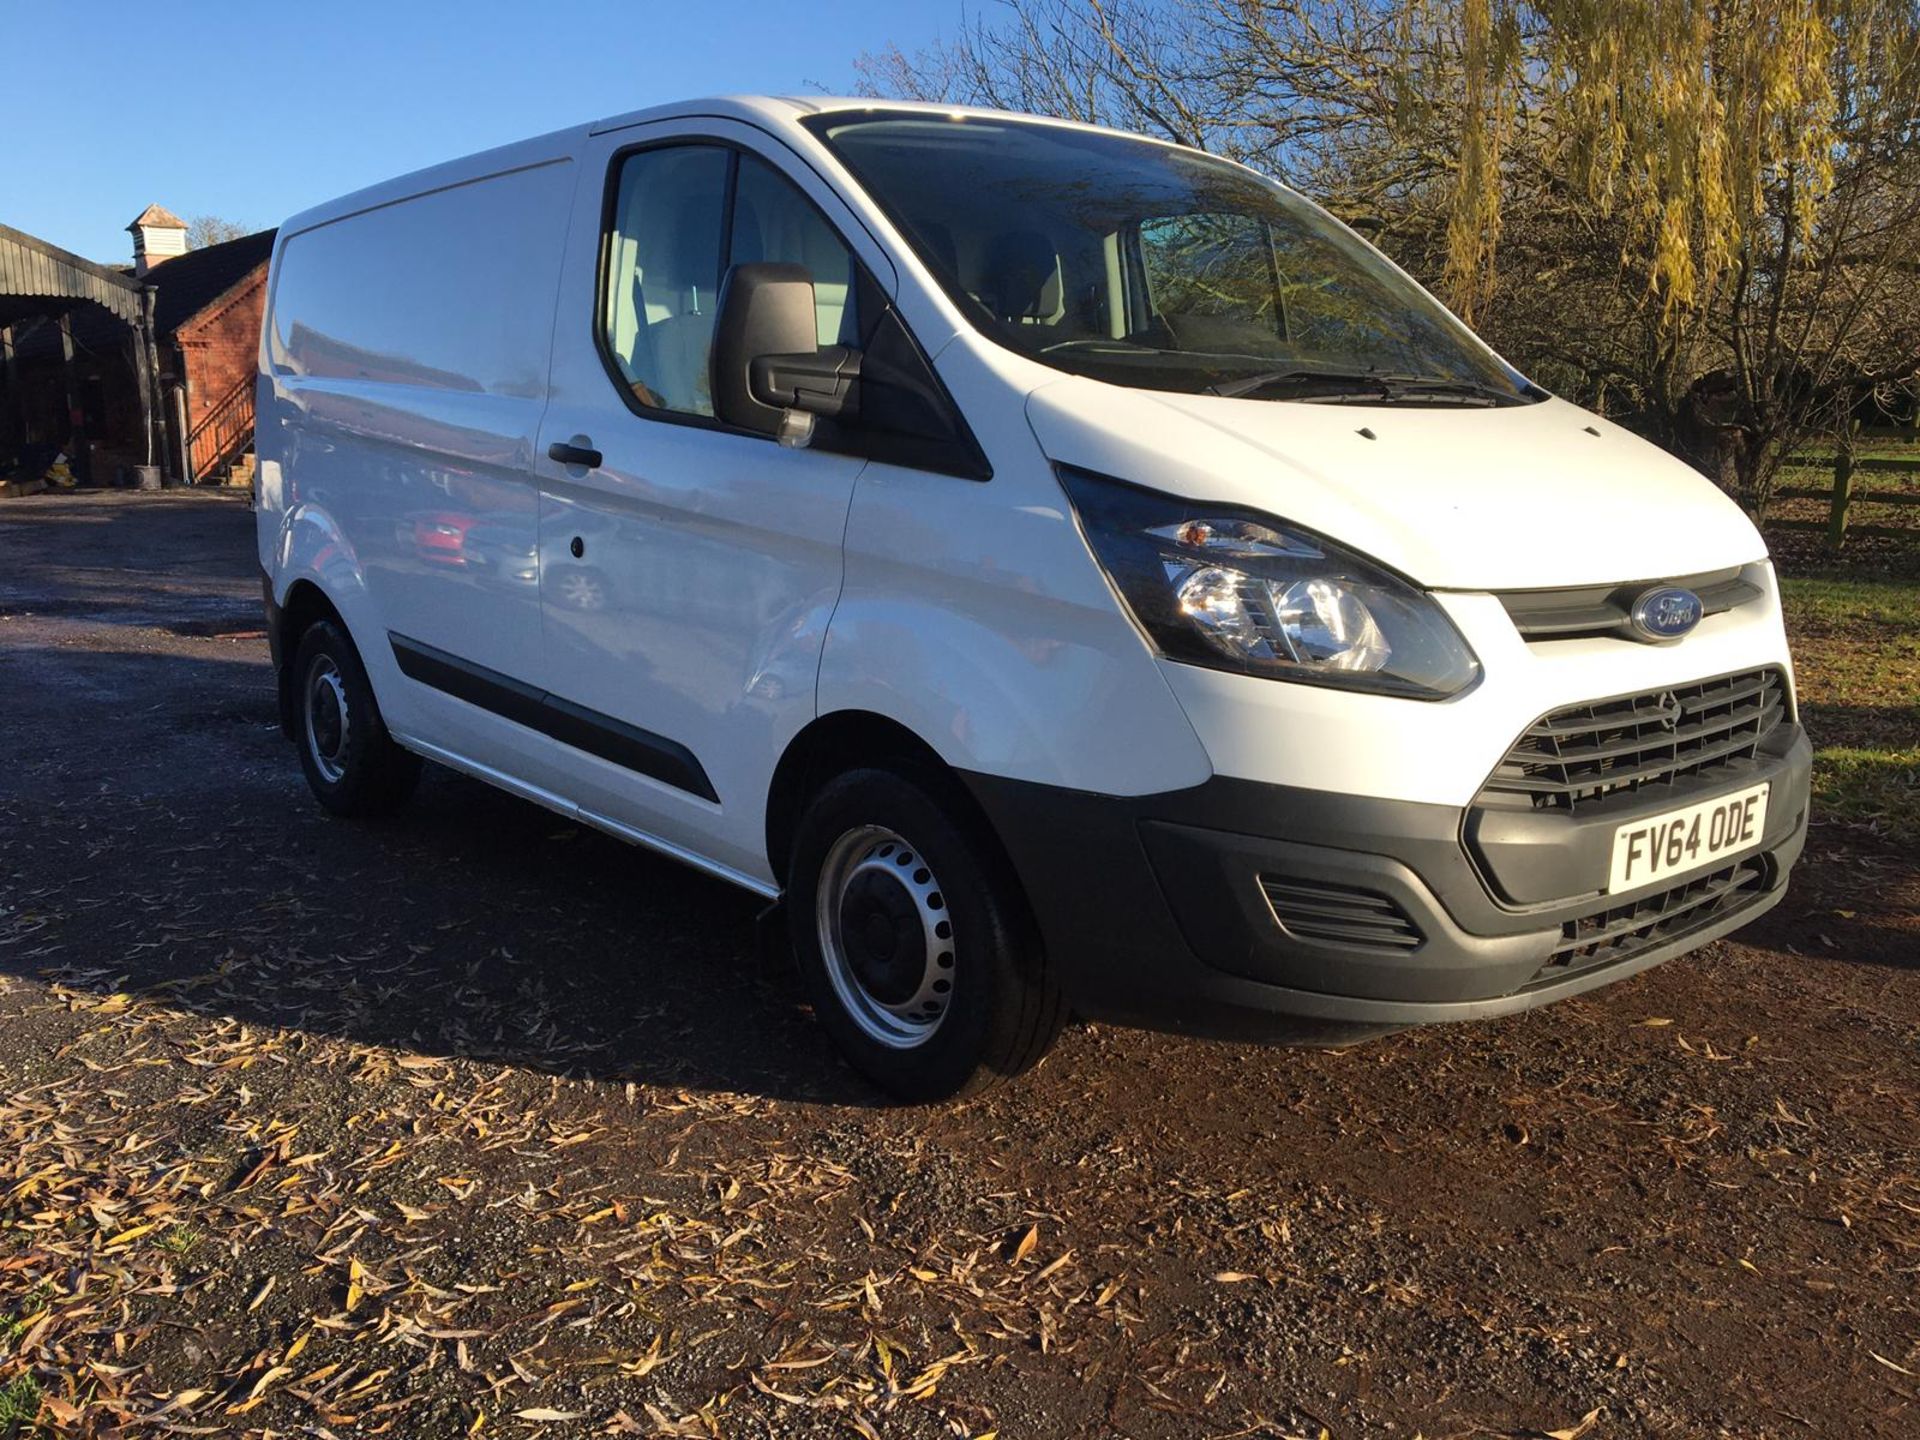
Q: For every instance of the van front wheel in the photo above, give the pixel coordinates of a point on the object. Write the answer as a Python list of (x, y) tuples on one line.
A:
[(352, 764), (914, 939)]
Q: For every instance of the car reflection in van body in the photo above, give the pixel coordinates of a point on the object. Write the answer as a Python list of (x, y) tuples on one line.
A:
[(680, 603)]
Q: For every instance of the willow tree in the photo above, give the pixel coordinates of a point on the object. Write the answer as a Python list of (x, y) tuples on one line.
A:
[(1762, 159)]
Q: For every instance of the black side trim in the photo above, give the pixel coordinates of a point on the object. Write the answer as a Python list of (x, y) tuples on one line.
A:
[(625, 745), (282, 681)]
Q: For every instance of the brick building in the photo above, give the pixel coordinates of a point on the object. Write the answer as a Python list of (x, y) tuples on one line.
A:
[(207, 324), (148, 364)]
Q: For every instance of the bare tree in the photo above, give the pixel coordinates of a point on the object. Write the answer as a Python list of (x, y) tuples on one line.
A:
[(205, 230)]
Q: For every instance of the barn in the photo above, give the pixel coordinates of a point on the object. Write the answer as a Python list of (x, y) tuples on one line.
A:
[(121, 368)]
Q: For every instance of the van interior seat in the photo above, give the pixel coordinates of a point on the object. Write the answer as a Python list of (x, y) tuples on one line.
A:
[(796, 235), (1022, 280), (673, 293)]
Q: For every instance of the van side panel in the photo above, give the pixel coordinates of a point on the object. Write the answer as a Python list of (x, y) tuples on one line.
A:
[(405, 363)]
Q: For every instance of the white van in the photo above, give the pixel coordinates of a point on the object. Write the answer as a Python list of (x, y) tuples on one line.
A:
[(1065, 571)]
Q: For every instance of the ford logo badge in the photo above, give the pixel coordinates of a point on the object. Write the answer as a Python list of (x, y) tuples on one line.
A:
[(1666, 612)]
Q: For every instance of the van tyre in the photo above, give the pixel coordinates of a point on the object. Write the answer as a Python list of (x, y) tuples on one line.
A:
[(352, 764), (914, 939)]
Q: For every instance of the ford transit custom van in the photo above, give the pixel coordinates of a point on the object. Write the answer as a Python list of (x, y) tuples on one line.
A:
[(1064, 572)]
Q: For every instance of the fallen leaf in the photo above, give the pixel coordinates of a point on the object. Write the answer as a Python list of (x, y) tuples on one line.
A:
[(1065, 1259), (1574, 1432), (1027, 1242), (356, 1282), (278, 1372)]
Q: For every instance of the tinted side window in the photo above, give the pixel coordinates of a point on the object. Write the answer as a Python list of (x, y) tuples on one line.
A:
[(664, 262), (773, 220)]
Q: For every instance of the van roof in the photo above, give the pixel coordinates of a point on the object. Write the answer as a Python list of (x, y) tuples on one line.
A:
[(776, 111), (784, 108)]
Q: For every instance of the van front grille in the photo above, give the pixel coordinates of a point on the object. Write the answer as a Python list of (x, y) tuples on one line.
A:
[(1340, 915), (1578, 611), (1619, 932), (1582, 753)]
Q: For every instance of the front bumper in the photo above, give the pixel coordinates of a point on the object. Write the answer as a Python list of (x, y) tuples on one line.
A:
[(1167, 910)]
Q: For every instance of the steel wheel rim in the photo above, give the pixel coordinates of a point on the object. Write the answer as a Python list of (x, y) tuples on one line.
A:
[(328, 725), (886, 935)]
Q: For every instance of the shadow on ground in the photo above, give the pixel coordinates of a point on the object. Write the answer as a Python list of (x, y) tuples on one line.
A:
[(156, 836)]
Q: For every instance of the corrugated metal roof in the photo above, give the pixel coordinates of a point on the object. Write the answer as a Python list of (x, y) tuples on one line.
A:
[(184, 288), (32, 267)]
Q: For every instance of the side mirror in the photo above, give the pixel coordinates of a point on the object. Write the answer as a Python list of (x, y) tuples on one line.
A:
[(769, 372)]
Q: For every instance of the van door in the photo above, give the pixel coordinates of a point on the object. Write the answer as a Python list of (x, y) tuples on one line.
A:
[(688, 570)]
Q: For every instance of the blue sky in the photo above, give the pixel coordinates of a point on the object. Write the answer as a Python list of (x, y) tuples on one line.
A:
[(256, 110)]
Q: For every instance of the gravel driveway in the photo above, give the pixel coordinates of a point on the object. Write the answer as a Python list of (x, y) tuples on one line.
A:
[(474, 1120)]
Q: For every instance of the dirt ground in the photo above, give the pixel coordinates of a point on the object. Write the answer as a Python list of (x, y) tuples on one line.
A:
[(477, 1122)]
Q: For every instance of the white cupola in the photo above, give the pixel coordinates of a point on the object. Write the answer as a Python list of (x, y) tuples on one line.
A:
[(158, 235)]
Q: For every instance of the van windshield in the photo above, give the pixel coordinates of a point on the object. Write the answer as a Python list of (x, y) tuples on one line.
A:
[(1146, 265)]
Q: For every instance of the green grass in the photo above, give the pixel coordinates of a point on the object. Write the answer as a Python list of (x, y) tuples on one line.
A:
[(1901, 446), (1856, 650), (13, 1326), (19, 1408), (20, 1396), (1834, 599), (181, 1240), (1876, 788), (1865, 450)]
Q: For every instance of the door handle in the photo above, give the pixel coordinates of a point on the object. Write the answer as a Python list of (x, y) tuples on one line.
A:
[(566, 452)]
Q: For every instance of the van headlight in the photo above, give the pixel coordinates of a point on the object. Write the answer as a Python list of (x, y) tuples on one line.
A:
[(1220, 586)]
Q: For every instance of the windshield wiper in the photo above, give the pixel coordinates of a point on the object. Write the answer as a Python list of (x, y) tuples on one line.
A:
[(1100, 344), (1336, 382), (1468, 392), (1339, 385)]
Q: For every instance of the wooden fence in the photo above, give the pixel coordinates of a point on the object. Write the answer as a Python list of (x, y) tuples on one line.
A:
[(1853, 484)]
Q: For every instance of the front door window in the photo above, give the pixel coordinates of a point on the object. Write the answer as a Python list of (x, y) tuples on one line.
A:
[(670, 246), (664, 262)]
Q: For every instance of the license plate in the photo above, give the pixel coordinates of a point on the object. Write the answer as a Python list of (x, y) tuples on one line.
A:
[(1666, 846)]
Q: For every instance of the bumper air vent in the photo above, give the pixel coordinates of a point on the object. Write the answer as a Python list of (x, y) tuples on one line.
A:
[(1620, 932), (1338, 915)]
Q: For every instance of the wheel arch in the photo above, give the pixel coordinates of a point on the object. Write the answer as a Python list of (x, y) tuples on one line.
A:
[(305, 604), (830, 744)]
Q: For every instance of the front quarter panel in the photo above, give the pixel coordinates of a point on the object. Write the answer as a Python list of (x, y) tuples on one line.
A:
[(973, 615)]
